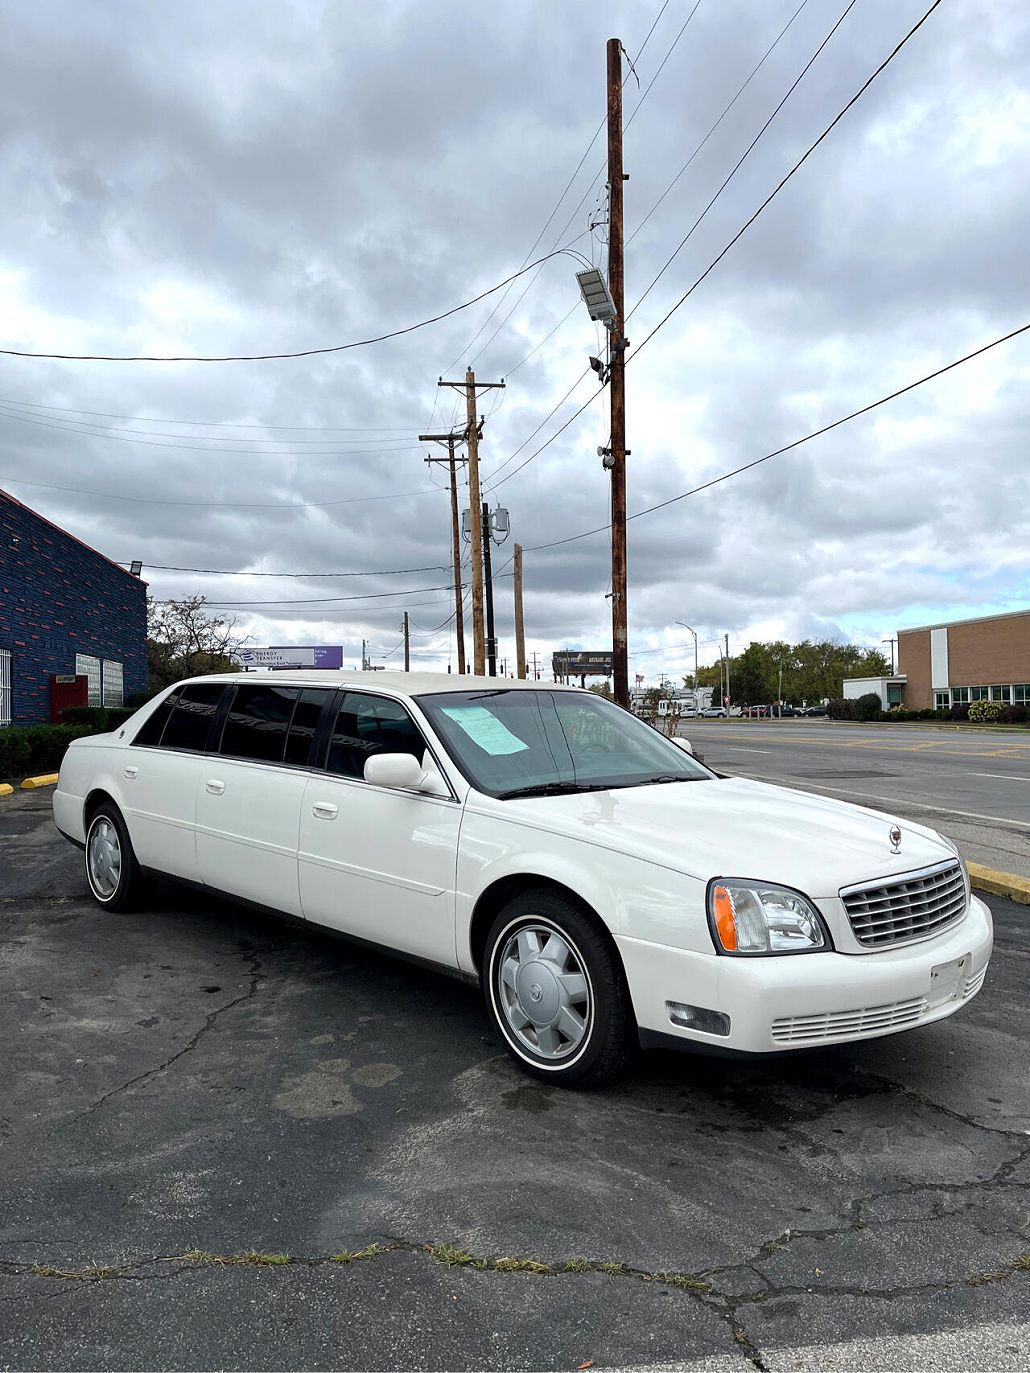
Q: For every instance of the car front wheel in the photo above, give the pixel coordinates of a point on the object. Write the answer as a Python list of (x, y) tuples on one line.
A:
[(111, 868), (556, 990)]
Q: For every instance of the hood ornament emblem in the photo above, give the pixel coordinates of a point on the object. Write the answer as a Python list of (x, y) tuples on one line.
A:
[(895, 838)]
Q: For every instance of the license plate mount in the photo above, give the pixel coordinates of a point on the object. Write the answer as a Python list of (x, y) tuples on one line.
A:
[(948, 979)]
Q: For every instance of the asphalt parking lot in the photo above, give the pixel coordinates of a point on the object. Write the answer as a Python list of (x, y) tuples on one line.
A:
[(207, 1115)]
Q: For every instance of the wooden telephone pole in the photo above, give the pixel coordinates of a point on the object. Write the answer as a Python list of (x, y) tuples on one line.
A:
[(459, 611), (617, 382), (470, 386), (520, 628)]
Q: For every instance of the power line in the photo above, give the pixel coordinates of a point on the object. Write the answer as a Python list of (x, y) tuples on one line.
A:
[(211, 424), (276, 357), (224, 505), (740, 91), (719, 257), (796, 167), (326, 600), (778, 452), (220, 572), (749, 149), (387, 446)]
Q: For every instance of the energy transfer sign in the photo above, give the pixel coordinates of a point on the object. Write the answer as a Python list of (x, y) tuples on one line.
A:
[(293, 656)]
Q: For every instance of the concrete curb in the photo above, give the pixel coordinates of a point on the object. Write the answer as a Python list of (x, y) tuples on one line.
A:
[(995, 883), (48, 779)]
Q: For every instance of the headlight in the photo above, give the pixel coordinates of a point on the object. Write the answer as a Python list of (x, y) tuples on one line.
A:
[(761, 918)]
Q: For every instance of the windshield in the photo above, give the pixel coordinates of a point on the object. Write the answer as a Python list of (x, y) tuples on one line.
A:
[(520, 742)]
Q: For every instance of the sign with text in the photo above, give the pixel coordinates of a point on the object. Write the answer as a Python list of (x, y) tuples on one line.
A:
[(329, 656), (582, 664)]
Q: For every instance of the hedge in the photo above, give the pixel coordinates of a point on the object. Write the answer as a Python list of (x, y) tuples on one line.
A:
[(36, 748), (100, 719)]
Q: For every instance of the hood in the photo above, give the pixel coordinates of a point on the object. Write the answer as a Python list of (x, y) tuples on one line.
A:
[(734, 827)]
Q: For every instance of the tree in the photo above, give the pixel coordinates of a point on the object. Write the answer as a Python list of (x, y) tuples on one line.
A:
[(602, 689), (185, 640)]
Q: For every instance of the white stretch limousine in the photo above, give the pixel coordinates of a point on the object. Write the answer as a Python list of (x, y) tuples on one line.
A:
[(599, 882)]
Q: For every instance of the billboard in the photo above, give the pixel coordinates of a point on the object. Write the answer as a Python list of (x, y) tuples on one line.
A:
[(582, 664), (291, 656)]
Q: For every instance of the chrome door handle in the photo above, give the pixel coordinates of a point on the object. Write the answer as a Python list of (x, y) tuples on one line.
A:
[(325, 810), (215, 787), (132, 772)]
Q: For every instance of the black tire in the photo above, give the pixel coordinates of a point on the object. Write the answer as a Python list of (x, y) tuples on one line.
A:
[(607, 1041), (116, 889)]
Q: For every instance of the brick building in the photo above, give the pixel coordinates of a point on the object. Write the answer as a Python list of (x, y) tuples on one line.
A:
[(64, 609), (968, 660)]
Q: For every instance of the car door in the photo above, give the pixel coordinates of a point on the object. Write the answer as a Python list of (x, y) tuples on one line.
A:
[(159, 778), (249, 794), (374, 862)]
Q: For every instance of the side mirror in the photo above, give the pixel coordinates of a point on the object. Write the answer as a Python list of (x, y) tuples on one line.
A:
[(682, 743), (404, 772)]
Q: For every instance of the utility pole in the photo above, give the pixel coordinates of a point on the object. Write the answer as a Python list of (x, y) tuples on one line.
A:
[(459, 610), (727, 673), (892, 642), (617, 379), (470, 386), (407, 644), (364, 656), (536, 673), (520, 628), (491, 642)]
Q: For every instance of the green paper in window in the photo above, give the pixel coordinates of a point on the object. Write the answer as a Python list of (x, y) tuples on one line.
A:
[(485, 729)]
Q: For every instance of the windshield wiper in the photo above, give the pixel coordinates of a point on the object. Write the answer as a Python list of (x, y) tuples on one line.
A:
[(555, 789)]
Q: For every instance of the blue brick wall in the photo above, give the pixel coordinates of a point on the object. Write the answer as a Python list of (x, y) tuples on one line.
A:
[(58, 598)]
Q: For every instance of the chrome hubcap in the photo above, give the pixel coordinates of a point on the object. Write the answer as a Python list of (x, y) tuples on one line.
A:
[(544, 992), (104, 857)]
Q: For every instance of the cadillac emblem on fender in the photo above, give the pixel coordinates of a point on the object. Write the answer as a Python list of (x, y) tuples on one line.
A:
[(895, 838)]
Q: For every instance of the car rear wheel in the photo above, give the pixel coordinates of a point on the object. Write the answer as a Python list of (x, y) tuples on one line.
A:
[(557, 992), (111, 868)]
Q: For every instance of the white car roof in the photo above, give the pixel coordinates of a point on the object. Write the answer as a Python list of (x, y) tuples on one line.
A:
[(399, 683)]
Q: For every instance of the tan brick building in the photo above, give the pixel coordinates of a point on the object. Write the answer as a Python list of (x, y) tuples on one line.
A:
[(968, 660)]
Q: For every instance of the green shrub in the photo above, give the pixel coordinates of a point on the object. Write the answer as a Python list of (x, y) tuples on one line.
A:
[(36, 748), (100, 718), (867, 707), (1013, 715), (959, 711), (985, 712), (841, 709)]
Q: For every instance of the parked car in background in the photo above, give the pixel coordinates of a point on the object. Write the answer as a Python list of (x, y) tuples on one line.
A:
[(600, 884), (714, 713), (814, 710)]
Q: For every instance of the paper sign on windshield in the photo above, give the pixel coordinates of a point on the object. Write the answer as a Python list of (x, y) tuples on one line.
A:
[(485, 729)]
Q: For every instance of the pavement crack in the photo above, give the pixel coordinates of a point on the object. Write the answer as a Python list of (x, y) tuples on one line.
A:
[(210, 1018)]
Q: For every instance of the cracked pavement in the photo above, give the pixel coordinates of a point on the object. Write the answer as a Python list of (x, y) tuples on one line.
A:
[(198, 1083)]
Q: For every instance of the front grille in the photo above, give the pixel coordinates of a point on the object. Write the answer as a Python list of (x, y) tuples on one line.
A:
[(869, 1020), (912, 907)]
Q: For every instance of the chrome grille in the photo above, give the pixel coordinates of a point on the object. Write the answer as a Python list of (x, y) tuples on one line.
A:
[(868, 1020), (912, 907)]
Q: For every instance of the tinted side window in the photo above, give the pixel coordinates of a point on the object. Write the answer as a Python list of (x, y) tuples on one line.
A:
[(366, 725), (190, 720), (306, 715), (257, 722), (150, 734)]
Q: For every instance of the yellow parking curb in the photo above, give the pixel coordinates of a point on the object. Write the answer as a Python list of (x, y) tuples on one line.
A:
[(995, 883), (31, 783), (6, 789)]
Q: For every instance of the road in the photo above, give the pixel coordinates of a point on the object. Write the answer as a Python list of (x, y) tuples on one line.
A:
[(976, 788), (188, 1092)]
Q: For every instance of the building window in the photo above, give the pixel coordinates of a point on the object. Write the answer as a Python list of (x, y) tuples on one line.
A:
[(89, 667), (960, 696), (979, 693), (5, 686), (112, 680), (893, 695), (1000, 693), (940, 700), (1021, 694)]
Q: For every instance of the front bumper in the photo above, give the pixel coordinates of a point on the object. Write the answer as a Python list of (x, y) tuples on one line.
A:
[(801, 1000)]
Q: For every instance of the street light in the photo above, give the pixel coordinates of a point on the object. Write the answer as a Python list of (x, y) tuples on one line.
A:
[(694, 632)]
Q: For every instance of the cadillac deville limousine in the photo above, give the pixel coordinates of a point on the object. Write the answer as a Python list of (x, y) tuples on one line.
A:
[(601, 884)]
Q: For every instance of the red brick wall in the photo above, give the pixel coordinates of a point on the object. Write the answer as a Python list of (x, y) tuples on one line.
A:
[(988, 652)]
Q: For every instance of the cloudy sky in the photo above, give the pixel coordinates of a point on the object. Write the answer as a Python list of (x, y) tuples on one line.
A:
[(247, 176)]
